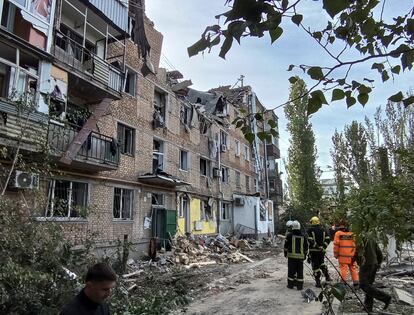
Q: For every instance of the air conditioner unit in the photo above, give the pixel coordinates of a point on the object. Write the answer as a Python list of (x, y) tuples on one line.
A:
[(216, 172), (239, 201), (223, 148), (198, 225), (26, 180)]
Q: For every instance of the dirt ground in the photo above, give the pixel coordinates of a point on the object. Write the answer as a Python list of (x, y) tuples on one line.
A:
[(254, 288)]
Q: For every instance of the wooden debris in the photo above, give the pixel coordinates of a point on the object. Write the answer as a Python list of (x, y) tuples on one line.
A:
[(135, 273), (199, 264), (245, 257)]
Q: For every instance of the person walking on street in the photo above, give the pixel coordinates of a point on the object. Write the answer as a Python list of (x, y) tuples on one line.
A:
[(99, 282), (369, 263), (295, 249), (319, 240), (345, 252)]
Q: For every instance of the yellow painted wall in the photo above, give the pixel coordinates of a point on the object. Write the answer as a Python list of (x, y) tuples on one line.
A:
[(209, 227), (181, 226)]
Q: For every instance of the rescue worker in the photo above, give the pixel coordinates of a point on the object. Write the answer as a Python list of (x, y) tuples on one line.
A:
[(345, 252), (369, 263), (295, 249), (288, 227), (319, 240)]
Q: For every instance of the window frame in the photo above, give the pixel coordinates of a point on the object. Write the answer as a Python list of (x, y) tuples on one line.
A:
[(237, 147), (160, 154), (247, 179), (225, 209), (121, 212), (185, 167), (134, 84), (238, 178), (121, 133), (224, 138), (225, 176), (50, 207), (208, 168), (183, 200), (246, 153)]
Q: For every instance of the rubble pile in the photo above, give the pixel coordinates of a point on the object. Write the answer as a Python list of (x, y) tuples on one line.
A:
[(197, 251)]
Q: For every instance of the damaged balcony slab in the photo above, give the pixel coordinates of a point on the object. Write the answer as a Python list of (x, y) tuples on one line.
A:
[(164, 180)]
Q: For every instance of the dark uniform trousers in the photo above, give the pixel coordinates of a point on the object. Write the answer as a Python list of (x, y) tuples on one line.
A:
[(318, 263), (295, 273), (366, 279)]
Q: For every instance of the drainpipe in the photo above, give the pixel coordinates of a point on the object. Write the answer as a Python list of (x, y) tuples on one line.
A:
[(219, 184)]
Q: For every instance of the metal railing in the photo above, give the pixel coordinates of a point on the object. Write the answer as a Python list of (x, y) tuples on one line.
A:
[(97, 149), (78, 57)]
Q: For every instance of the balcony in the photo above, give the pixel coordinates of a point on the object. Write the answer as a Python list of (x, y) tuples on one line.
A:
[(273, 151), (98, 153), (86, 65)]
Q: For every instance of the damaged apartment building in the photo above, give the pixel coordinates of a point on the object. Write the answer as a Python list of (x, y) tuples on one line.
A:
[(135, 152)]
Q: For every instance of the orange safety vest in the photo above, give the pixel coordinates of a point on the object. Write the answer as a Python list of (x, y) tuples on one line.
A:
[(344, 247)]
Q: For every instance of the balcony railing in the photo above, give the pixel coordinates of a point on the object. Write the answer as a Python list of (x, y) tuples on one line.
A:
[(98, 149), (273, 151), (70, 52)]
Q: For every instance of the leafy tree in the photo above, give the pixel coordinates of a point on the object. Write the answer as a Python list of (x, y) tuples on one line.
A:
[(356, 32), (305, 190)]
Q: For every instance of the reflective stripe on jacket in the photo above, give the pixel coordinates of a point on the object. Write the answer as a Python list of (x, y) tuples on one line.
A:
[(296, 246), (344, 247), (318, 237)]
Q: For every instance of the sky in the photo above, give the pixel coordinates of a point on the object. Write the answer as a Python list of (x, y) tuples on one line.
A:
[(264, 66)]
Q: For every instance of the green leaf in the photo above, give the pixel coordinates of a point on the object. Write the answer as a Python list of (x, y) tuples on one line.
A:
[(264, 136), (236, 29), (333, 7), (396, 69), (316, 73), (215, 41), (259, 116), (226, 46), (239, 123), (200, 45), (317, 35), (274, 132), (350, 101), (292, 80), (285, 4), (378, 66), (338, 290), (314, 104), (410, 26), (396, 97), (337, 94), (297, 18), (272, 123), (363, 98), (275, 33), (249, 137), (319, 94), (408, 101), (290, 67), (385, 76)]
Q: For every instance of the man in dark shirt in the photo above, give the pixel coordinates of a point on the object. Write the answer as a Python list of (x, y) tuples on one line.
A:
[(99, 282)]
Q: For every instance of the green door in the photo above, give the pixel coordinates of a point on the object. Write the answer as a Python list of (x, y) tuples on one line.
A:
[(171, 222)]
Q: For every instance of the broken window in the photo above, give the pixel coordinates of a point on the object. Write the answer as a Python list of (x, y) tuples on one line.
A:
[(126, 139), (131, 82), (184, 163), (158, 199), (205, 167), (247, 182), (184, 206), (225, 211), (123, 203), (222, 108), (158, 156), (238, 184), (67, 199), (185, 115), (17, 81), (223, 138), (225, 174), (159, 109), (205, 211)]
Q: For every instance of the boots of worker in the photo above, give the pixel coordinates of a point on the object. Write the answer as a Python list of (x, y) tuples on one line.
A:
[(327, 276), (318, 281)]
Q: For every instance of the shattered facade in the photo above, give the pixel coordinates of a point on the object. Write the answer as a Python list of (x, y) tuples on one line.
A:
[(138, 153)]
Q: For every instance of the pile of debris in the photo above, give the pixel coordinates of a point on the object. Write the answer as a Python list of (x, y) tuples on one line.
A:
[(197, 251)]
